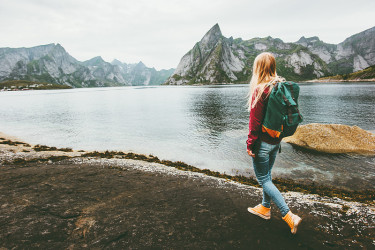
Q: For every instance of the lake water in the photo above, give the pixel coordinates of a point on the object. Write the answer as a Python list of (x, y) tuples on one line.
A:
[(205, 126)]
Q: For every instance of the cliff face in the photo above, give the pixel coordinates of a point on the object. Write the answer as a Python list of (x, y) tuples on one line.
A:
[(46, 62), (51, 63), (216, 59), (211, 60), (356, 52)]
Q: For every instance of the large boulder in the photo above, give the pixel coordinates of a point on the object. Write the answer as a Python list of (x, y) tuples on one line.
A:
[(333, 138)]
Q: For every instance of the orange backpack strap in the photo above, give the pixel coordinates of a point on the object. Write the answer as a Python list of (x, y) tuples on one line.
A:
[(272, 133)]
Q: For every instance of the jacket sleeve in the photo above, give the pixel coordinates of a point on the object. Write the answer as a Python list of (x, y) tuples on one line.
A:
[(256, 119)]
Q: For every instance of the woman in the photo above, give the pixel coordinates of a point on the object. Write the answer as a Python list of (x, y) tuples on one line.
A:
[(262, 147)]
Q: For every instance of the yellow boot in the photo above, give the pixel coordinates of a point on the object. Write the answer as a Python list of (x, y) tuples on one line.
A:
[(293, 221), (261, 211)]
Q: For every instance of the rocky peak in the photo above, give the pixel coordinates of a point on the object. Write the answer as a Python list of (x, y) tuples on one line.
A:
[(308, 41), (140, 65), (49, 48), (95, 61), (35, 53), (211, 60), (211, 38), (58, 51), (49, 45), (302, 40), (213, 32), (116, 62), (313, 39), (59, 47)]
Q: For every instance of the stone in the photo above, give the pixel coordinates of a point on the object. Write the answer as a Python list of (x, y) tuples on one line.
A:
[(333, 138)]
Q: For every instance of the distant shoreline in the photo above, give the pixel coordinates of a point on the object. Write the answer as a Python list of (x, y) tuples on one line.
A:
[(338, 81), (58, 87), (24, 85), (305, 81)]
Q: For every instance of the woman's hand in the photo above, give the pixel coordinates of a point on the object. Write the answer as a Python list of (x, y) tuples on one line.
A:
[(251, 153)]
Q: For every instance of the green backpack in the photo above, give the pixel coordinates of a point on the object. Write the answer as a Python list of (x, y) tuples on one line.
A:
[(282, 114)]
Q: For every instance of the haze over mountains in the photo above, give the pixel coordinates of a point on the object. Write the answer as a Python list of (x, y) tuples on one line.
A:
[(214, 59), (217, 59), (51, 63)]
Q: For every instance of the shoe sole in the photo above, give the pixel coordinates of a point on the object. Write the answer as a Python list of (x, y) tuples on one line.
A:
[(260, 215), (294, 231)]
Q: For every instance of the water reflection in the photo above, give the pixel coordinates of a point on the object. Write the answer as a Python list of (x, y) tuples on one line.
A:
[(210, 112)]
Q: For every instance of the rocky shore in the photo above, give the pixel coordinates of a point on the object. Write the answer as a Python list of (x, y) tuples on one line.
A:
[(63, 198), (334, 80)]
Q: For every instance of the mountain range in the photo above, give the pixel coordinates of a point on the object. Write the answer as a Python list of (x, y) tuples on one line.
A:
[(217, 59), (51, 63), (214, 59)]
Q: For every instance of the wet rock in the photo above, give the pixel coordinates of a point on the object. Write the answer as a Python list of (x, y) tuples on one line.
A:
[(333, 138)]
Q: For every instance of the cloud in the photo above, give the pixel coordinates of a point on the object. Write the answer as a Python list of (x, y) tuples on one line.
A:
[(160, 32)]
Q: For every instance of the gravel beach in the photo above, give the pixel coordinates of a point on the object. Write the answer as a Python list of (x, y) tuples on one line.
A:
[(92, 202)]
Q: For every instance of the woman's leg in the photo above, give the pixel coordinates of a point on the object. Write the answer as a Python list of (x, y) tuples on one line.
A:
[(266, 198), (263, 162)]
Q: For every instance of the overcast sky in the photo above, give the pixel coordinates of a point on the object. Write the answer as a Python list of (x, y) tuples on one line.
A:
[(160, 32)]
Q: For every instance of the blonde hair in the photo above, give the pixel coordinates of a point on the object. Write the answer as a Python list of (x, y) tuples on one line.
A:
[(264, 75)]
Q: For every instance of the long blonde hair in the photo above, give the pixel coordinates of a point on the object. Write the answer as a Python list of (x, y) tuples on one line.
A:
[(264, 75)]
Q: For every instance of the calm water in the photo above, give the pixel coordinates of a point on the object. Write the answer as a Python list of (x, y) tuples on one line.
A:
[(203, 126)]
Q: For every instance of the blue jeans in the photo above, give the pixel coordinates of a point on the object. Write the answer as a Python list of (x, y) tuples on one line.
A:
[(265, 155)]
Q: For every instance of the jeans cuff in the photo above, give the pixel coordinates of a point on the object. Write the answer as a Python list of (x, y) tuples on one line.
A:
[(266, 204)]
